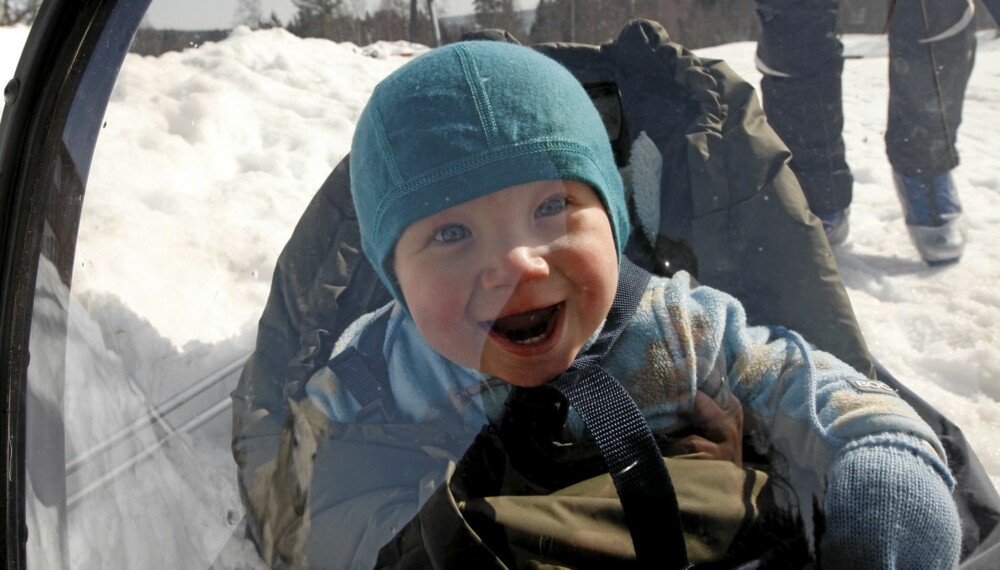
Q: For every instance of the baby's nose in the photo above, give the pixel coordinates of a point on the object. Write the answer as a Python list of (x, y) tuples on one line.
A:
[(516, 265)]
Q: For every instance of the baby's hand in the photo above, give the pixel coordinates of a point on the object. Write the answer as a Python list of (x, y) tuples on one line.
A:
[(719, 429), (889, 506)]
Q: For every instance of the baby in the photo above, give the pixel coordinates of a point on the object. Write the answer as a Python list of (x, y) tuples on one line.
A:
[(490, 205)]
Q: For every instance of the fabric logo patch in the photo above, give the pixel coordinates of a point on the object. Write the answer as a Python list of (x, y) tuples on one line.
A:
[(873, 386)]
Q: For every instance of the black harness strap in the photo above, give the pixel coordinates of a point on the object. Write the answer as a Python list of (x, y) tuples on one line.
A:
[(624, 438), (362, 370), (632, 456)]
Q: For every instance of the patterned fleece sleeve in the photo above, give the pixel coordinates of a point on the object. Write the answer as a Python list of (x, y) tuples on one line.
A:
[(834, 437)]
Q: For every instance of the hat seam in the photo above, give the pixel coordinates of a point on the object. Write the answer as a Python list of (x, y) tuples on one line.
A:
[(484, 110), (478, 161), (385, 148)]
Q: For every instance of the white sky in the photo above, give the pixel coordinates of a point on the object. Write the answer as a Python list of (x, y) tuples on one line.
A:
[(209, 156), (199, 14)]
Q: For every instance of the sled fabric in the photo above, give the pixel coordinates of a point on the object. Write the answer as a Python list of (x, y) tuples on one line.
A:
[(729, 211), (975, 495)]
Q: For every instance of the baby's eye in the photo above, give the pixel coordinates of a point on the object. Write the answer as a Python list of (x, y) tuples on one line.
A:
[(451, 233), (551, 206)]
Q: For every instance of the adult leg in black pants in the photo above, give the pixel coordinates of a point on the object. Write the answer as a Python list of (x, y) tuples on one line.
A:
[(932, 48), (802, 61)]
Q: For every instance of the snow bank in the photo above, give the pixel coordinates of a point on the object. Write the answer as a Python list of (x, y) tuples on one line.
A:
[(11, 43)]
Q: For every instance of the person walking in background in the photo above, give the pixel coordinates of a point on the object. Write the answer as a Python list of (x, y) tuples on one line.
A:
[(931, 54)]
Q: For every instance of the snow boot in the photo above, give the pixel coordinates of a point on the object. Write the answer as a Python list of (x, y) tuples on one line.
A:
[(933, 216), (836, 225)]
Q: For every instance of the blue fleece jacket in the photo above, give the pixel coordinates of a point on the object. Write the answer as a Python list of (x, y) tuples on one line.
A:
[(473, 118), (831, 433)]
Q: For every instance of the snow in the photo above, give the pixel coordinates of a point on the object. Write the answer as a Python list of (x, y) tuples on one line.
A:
[(11, 42), (937, 329), (208, 158)]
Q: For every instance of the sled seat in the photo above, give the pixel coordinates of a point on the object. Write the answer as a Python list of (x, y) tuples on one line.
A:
[(730, 212)]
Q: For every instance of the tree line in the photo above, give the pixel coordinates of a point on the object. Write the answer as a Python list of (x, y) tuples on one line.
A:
[(14, 12), (693, 23)]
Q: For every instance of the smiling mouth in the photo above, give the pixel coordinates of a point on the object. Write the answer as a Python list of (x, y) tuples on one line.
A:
[(529, 327)]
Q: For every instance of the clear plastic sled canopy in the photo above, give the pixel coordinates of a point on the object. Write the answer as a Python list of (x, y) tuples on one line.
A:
[(156, 438)]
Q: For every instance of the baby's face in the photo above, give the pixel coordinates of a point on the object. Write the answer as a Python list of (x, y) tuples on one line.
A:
[(512, 283)]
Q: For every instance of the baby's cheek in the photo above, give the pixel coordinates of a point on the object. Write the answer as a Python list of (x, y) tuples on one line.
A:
[(442, 314), (441, 323)]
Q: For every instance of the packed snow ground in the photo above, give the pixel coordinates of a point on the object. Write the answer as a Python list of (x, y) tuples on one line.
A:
[(936, 329), (208, 158)]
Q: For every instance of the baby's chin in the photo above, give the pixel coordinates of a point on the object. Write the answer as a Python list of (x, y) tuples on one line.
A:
[(528, 372), (523, 382), (532, 378)]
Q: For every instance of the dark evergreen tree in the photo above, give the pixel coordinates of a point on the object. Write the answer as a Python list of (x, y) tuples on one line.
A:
[(18, 11), (330, 19), (248, 13), (500, 14), (392, 21), (272, 22), (547, 22), (389, 22)]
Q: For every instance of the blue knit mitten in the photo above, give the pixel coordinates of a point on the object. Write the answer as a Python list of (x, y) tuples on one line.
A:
[(889, 505)]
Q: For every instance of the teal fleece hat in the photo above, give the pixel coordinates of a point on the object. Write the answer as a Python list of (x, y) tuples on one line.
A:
[(466, 120)]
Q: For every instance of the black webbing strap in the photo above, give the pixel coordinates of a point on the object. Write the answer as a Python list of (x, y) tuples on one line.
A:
[(624, 438), (362, 370), (618, 427)]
